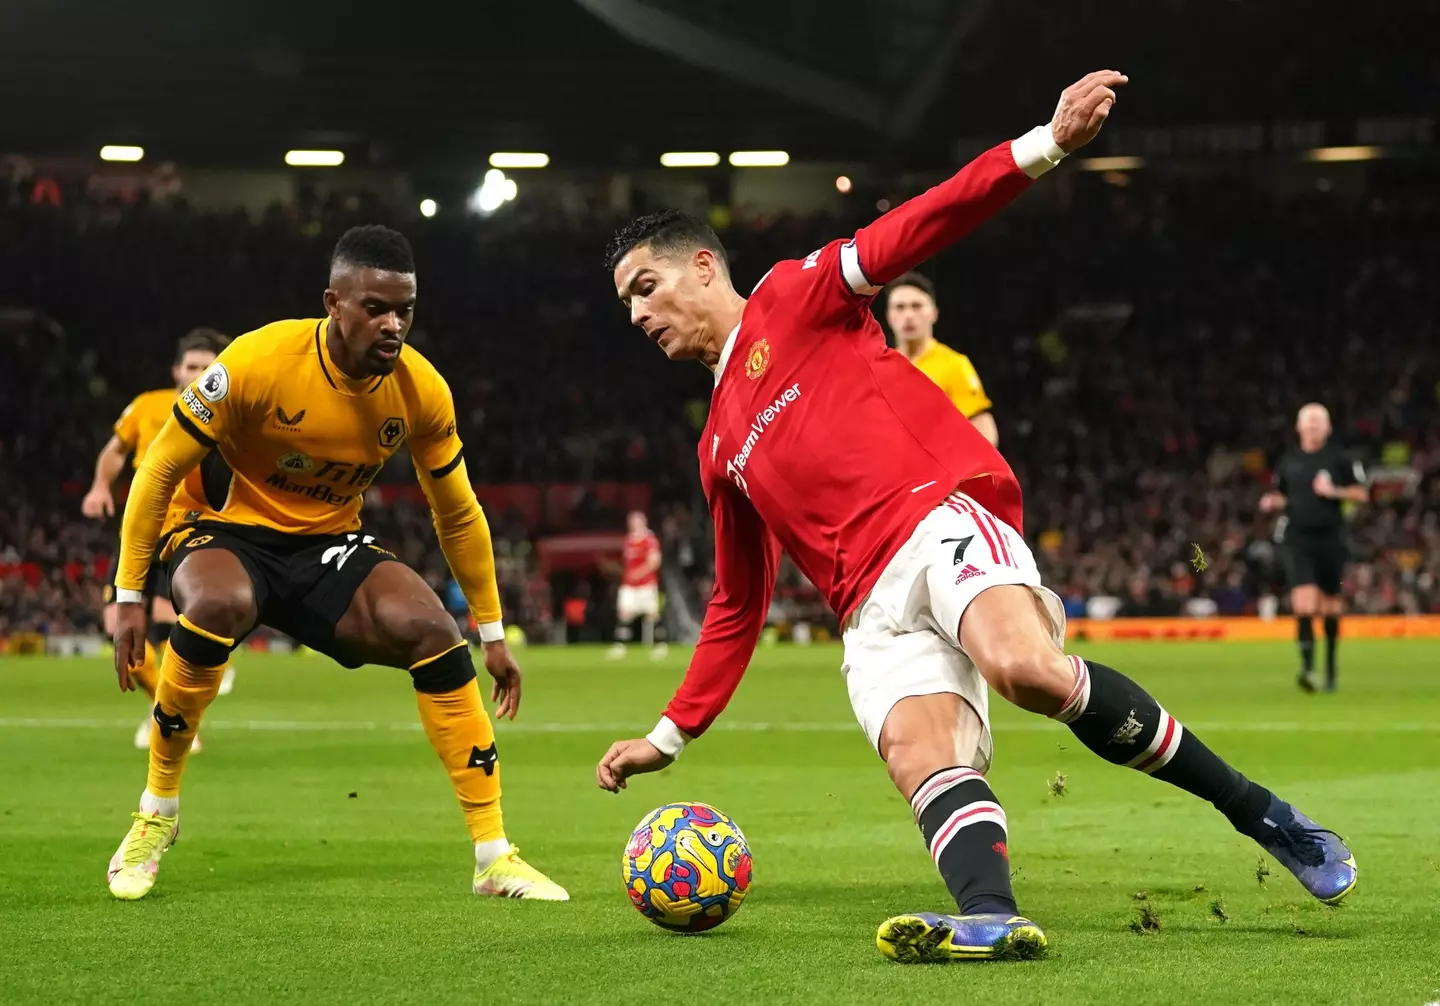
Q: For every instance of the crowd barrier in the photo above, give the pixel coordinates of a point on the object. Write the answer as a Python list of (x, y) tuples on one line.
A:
[(1094, 630), (1246, 629)]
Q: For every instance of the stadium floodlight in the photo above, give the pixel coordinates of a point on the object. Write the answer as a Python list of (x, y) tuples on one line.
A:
[(122, 153), (1112, 163), (314, 158), (843, 183), (1333, 154), (493, 192), (759, 159), (690, 159), (429, 207), (512, 160)]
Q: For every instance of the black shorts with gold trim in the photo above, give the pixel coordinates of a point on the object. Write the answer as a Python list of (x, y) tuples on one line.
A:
[(303, 583), (157, 581)]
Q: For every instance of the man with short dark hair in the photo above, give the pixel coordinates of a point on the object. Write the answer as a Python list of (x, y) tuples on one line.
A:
[(133, 433), (824, 442), (294, 421), (911, 312)]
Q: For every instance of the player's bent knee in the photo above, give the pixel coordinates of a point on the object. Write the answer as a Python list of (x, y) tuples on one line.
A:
[(1038, 680), (421, 632), (199, 646), (445, 671), (226, 611)]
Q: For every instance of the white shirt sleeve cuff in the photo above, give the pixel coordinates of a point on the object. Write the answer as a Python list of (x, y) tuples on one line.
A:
[(667, 738), (492, 632), (1036, 152), (123, 596)]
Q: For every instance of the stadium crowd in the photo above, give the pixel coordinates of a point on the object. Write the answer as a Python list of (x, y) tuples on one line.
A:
[(1146, 348)]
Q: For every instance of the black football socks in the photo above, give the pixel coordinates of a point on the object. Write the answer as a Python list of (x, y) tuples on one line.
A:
[(1115, 718), (1305, 637), (964, 828), (1332, 645)]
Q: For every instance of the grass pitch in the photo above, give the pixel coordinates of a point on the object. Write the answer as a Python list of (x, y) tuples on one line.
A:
[(323, 858)]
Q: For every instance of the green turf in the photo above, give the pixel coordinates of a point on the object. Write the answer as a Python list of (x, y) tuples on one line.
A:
[(323, 858)]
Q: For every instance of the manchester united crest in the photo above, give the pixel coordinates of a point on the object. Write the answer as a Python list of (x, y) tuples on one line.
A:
[(757, 360)]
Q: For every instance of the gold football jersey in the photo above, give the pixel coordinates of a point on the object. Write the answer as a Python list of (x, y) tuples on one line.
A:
[(296, 442)]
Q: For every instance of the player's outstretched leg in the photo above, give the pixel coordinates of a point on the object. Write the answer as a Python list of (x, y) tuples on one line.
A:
[(1118, 720), (964, 828), (396, 620)]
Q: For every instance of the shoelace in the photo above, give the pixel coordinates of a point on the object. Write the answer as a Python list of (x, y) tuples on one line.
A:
[(139, 847), (1304, 843)]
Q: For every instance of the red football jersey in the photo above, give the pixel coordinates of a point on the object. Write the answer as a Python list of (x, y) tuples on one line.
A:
[(639, 553), (824, 442)]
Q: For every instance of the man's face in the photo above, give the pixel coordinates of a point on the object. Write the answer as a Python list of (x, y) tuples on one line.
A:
[(637, 524), (911, 313), (666, 297), (1313, 426), (373, 309), (191, 366)]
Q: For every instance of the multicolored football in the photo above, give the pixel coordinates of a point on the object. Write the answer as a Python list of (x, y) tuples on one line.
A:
[(687, 867)]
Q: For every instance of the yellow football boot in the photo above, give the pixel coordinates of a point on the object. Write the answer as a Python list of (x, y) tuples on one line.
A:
[(512, 877), (137, 861)]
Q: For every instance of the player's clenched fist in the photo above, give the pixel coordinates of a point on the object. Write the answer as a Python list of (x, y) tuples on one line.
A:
[(1084, 107), (627, 758)]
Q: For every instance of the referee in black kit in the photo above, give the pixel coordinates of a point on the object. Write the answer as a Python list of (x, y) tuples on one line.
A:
[(1311, 482)]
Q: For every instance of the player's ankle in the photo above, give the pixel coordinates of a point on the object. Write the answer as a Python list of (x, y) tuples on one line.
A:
[(165, 806), (488, 851)]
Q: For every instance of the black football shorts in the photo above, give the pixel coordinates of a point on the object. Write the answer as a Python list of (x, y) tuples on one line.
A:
[(1316, 557), (303, 583)]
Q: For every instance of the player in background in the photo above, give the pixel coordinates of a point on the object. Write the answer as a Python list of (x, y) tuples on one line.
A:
[(639, 594), (133, 433), (1311, 484), (825, 443), (911, 312), (288, 427)]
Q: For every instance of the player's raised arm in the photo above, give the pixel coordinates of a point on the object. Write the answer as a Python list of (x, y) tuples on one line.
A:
[(464, 535), (746, 559), (918, 228)]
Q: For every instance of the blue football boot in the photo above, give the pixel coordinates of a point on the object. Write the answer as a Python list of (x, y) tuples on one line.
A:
[(1317, 856), (932, 938)]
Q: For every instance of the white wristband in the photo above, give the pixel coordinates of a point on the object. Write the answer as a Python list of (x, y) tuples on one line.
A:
[(667, 738), (123, 596), (1036, 152), (492, 632)]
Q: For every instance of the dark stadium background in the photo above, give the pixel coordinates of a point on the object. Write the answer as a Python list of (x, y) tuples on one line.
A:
[(1264, 234)]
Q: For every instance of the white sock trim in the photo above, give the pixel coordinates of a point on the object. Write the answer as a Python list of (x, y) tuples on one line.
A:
[(165, 806), (487, 852), (940, 782)]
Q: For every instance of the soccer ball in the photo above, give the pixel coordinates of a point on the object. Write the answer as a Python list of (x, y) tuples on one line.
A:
[(687, 867)]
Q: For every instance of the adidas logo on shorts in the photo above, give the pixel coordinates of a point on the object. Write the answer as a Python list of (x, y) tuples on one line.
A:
[(968, 572)]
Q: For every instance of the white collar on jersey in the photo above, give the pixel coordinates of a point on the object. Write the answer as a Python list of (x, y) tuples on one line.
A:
[(725, 354)]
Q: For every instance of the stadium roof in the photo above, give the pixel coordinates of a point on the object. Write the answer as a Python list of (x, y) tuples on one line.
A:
[(613, 82)]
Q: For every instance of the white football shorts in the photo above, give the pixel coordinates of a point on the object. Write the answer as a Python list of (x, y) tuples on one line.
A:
[(903, 640), (633, 602)]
